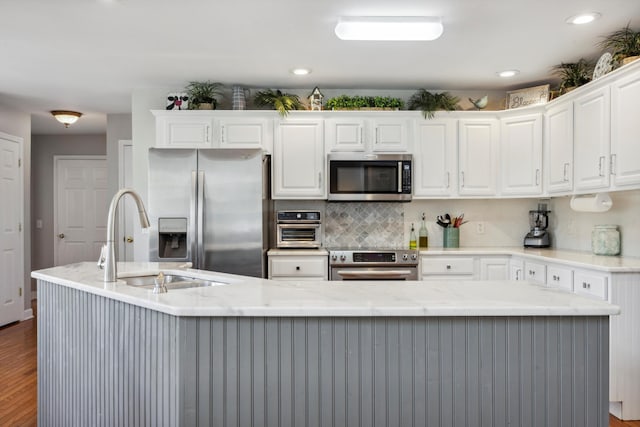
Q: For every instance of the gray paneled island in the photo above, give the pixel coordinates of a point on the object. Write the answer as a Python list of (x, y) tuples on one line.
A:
[(256, 352)]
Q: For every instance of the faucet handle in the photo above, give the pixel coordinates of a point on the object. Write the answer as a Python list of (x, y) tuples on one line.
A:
[(103, 257)]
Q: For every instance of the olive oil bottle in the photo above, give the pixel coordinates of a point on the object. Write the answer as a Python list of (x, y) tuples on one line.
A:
[(412, 238), (423, 241)]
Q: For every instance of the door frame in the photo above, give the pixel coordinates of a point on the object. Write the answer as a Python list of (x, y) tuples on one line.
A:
[(122, 143), (27, 313), (56, 160)]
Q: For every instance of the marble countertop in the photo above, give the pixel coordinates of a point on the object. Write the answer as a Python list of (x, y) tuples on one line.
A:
[(247, 296), (612, 264)]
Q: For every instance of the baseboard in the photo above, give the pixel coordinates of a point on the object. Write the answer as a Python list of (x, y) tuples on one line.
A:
[(28, 314)]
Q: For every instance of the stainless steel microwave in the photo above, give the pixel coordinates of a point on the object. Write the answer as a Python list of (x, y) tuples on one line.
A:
[(369, 177)]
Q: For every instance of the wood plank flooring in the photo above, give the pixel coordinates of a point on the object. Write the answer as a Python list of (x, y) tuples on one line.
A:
[(18, 380)]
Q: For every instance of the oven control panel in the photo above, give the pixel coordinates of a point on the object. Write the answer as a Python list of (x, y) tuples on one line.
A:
[(373, 257)]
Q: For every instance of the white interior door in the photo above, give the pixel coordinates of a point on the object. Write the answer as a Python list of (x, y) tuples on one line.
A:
[(11, 245), (80, 208), (127, 209)]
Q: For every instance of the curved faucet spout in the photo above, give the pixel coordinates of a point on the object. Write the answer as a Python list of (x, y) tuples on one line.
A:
[(110, 270)]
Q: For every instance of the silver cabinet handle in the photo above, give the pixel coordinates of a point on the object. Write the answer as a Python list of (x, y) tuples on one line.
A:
[(601, 166), (222, 134), (361, 136), (448, 180), (377, 135), (564, 172), (207, 133), (537, 176), (319, 179), (612, 163), (462, 179)]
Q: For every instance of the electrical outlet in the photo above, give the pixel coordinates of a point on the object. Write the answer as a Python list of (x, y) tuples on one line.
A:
[(480, 227)]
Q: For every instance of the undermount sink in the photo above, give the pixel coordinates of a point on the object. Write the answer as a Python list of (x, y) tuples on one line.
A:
[(171, 281)]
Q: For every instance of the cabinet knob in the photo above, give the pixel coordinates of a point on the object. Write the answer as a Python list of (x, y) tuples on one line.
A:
[(128, 239), (61, 235), (448, 267), (297, 268)]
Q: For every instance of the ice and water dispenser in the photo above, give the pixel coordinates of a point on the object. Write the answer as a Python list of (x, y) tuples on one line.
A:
[(172, 237)]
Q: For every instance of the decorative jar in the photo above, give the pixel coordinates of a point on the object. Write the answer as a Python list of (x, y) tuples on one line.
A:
[(605, 240), (451, 237)]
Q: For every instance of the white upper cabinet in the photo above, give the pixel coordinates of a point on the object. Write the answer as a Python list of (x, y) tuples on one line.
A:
[(248, 131), (591, 140), (625, 131), (478, 143), (521, 155), (390, 134), (558, 137), (366, 132), (184, 129), (345, 134), (298, 166), (435, 158)]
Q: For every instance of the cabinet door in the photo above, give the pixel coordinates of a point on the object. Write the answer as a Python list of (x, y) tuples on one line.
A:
[(591, 284), (246, 132), (558, 131), (435, 171), (296, 267), (560, 277), (592, 139), (535, 272), (494, 268), (521, 155), (625, 131), (516, 269), (390, 135), (478, 149), (345, 134), (184, 129), (298, 160)]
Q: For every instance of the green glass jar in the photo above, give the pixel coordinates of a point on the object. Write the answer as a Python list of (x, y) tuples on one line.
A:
[(605, 240)]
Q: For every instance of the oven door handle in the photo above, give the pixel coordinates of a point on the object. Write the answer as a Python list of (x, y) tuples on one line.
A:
[(374, 274)]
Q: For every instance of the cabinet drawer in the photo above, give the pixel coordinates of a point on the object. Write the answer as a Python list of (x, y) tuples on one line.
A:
[(559, 277), (535, 272), (297, 266), (447, 266), (590, 284)]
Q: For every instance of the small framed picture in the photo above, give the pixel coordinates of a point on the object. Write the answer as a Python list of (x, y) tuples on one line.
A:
[(528, 96), (177, 101)]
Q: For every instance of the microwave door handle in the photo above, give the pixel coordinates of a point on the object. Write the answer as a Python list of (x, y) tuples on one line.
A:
[(399, 177)]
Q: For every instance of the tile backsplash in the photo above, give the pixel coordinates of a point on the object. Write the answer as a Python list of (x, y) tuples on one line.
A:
[(364, 225)]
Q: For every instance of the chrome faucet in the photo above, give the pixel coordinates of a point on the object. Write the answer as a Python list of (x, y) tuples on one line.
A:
[(109, 250)]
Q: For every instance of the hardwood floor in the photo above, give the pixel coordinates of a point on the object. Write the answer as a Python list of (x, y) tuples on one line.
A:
[(18, 380)]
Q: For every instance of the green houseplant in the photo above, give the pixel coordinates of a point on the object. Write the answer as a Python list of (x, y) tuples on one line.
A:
[(202, 95), (624, 45), (357, 102), (428, 102), (573, 74), (282, 102)]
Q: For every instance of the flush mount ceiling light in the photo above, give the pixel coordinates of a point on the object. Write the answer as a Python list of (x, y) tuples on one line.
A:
[(66, 117), (395, 28), (583, 18), (508, 73), (301, 71)]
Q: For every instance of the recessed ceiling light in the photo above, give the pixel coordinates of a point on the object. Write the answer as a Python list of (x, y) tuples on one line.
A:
[(301, 71), (508, 73), (583, 18), (394, 28)]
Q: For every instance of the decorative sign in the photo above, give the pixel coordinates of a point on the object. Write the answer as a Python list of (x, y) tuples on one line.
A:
[(528, 96), (177, 101)]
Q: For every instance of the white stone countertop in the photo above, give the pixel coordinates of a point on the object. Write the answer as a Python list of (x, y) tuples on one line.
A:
[(247, 296), (612, 264)]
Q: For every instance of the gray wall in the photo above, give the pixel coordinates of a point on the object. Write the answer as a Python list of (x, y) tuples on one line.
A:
[(18, 123), (45, 147), (118, 128)]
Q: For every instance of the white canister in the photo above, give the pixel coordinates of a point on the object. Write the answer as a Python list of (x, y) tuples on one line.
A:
[(605, 240)]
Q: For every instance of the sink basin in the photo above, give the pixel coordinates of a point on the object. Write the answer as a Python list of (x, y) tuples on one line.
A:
[(171, 281)]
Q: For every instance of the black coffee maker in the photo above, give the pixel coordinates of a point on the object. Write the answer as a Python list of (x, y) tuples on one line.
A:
[(538, 236)]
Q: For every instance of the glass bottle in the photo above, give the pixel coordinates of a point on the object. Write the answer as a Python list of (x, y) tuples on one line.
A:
[(423, 241), (412, 238)]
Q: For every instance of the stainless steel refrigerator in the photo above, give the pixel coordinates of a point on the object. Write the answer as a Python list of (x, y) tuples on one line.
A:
[(211, 207)]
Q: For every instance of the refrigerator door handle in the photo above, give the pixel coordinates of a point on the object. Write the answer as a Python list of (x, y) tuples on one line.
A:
[(200, 227), (192, 219)]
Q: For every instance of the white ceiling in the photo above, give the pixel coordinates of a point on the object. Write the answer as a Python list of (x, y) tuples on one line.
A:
[(88, 55)]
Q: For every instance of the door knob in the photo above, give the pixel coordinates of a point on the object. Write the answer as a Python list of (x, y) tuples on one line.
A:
[(61, 235), (128, 239)]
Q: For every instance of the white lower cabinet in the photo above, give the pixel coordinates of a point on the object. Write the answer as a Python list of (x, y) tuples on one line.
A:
[(560, 277), (454, 268), (299, 267), (494, 268), (535, 272), (590, 283)]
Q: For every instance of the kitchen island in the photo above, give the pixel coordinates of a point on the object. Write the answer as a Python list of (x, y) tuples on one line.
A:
[(263, 352)]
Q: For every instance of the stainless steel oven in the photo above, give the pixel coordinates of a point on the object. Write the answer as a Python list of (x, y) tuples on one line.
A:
[(298, 229), (394, 264)]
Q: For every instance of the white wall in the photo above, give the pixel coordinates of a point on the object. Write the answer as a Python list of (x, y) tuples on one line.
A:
[(572, 230), (18, 123), (118, 128)]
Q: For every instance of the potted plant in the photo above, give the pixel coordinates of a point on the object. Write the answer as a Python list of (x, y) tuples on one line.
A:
[(624, 45), (202, 95), (573, 74), (357, 102), (428, 102), (282, 102)]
